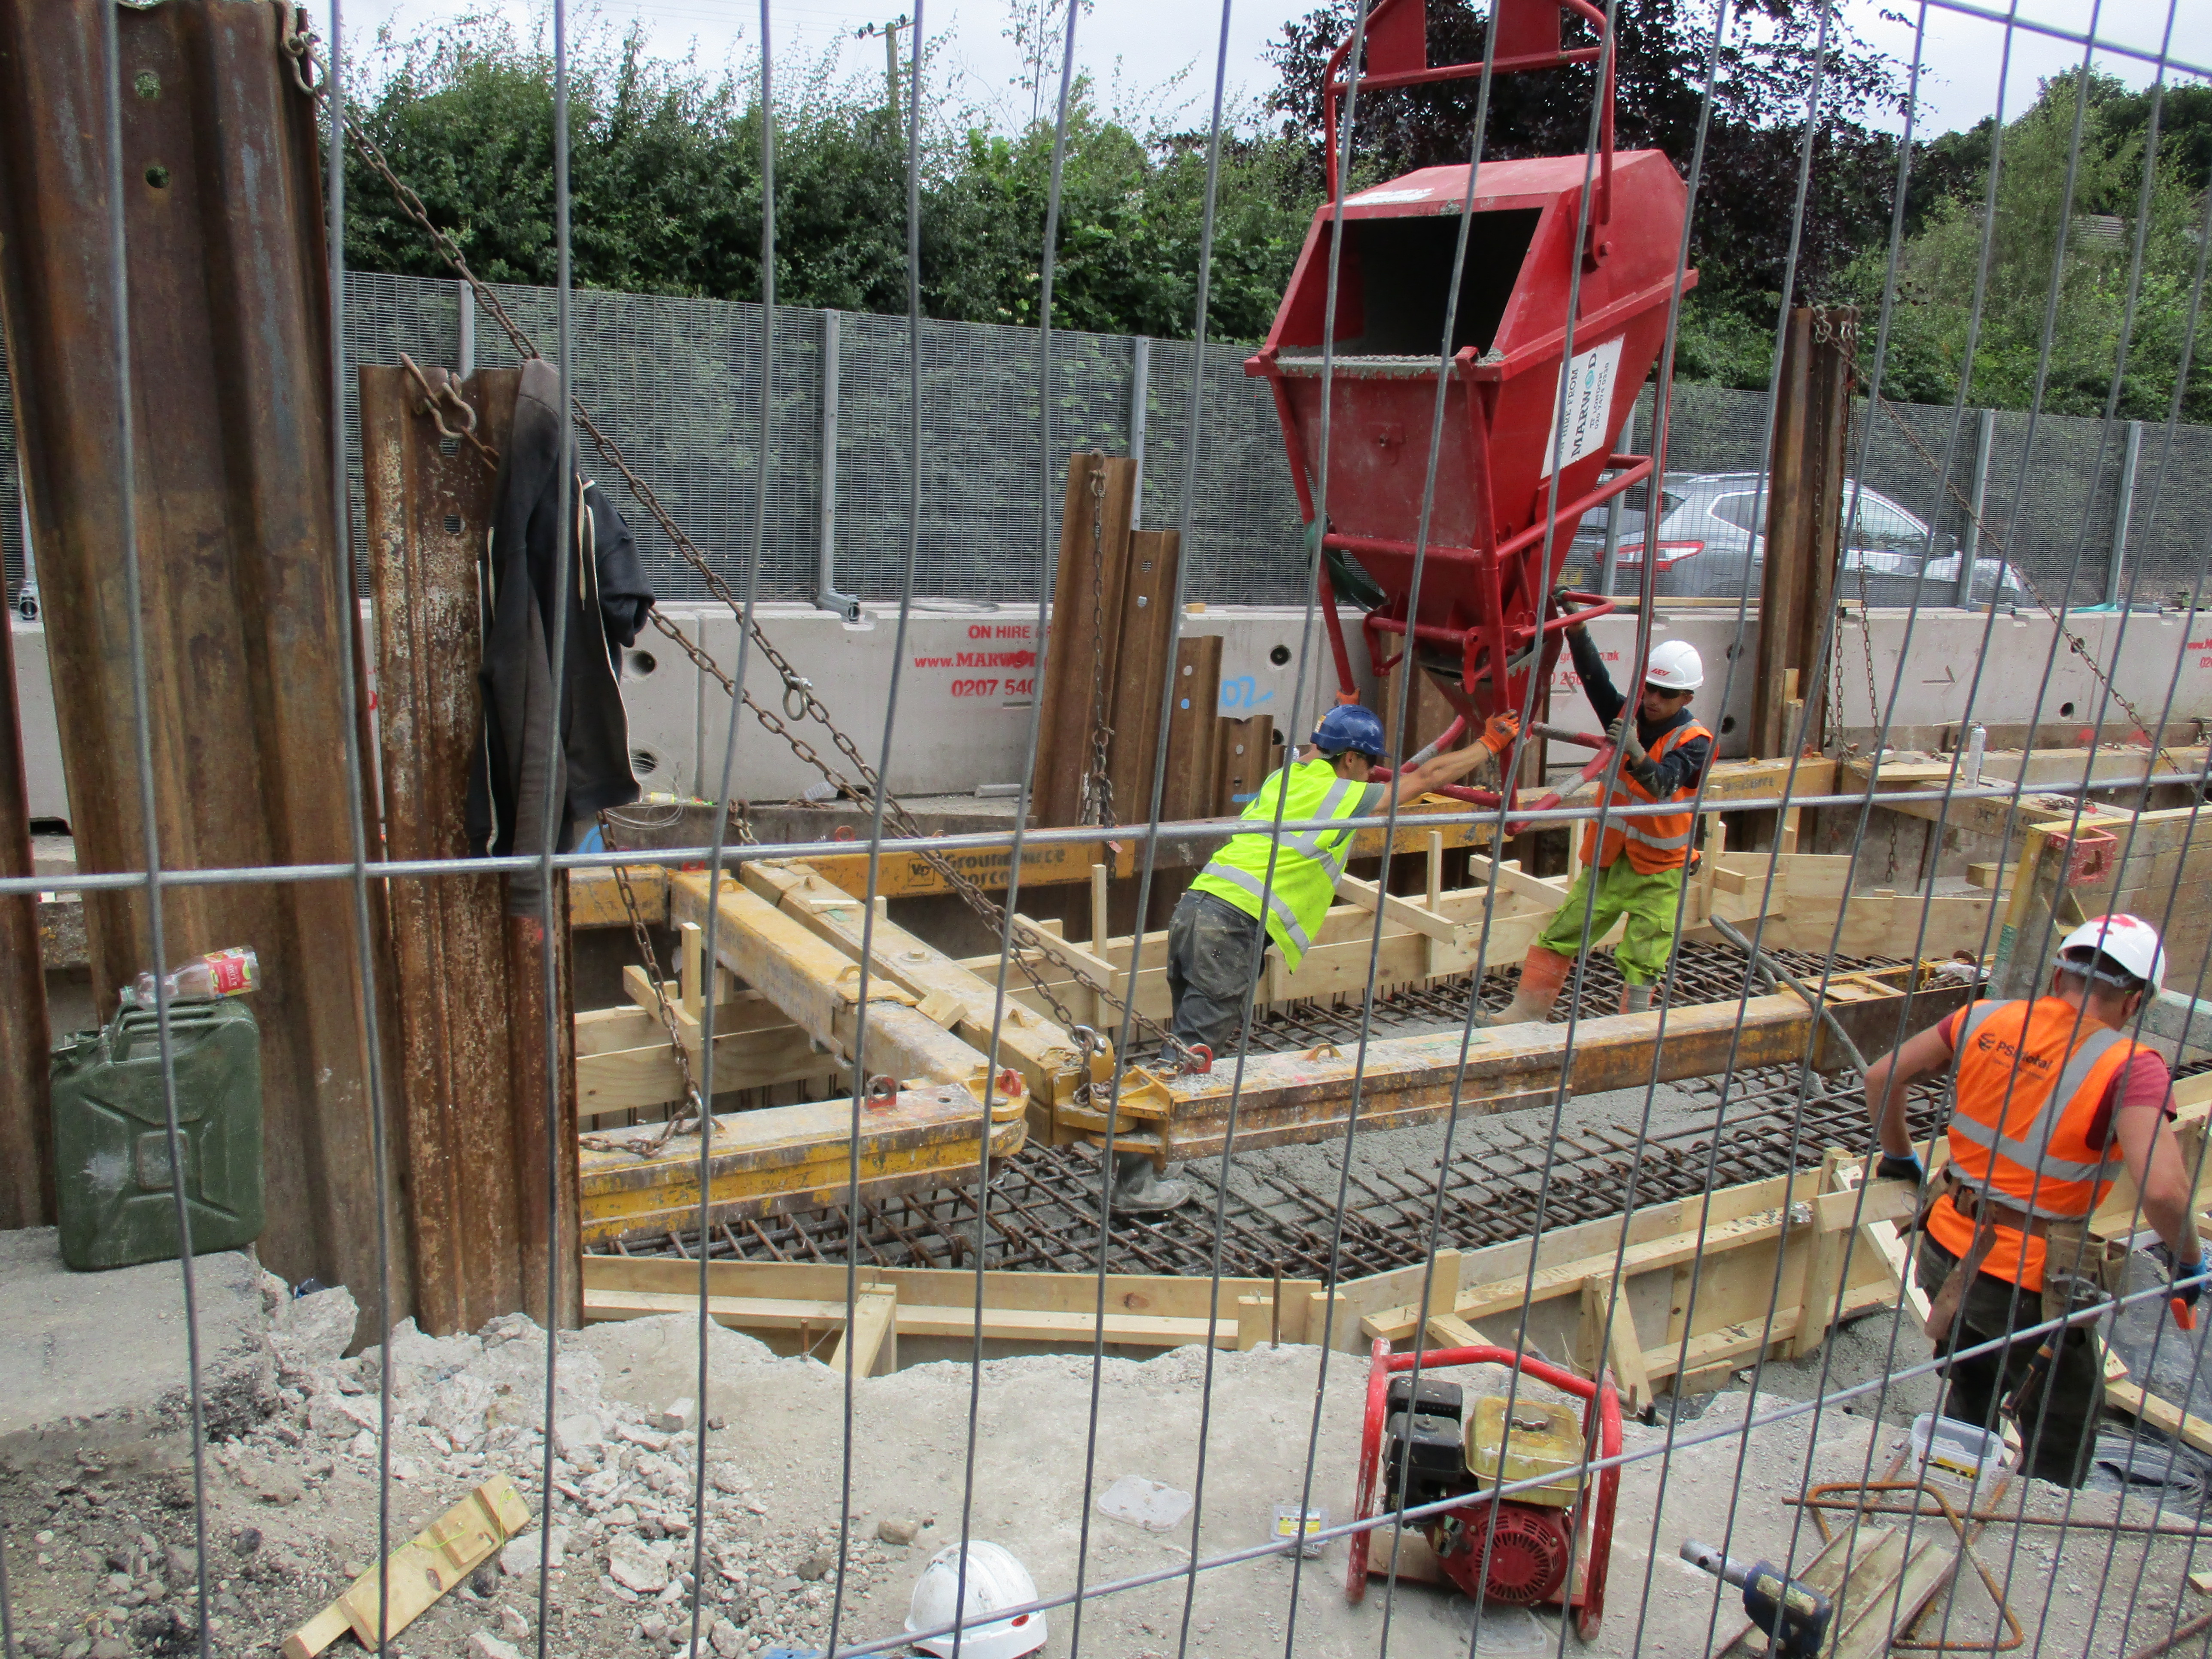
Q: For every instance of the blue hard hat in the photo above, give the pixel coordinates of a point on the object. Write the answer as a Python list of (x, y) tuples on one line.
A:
[(1348, 726)]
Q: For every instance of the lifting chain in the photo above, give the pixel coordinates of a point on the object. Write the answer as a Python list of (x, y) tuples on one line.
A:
[(692, 1109), (1098, 785), (798, 691), (2074, 641), (298, 47)]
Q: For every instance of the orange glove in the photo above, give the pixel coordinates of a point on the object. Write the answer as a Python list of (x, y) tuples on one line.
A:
[(1500, 731)]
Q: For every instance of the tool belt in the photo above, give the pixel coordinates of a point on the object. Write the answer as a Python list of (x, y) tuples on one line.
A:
[(2065, 1241)]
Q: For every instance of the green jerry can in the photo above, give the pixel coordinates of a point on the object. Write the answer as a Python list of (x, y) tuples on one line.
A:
[(111, 1181)]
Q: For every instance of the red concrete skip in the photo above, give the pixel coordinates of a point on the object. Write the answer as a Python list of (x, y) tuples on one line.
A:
[(1494, 544)]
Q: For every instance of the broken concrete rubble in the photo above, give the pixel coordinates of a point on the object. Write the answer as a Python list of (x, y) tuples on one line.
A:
[(293, 1499)]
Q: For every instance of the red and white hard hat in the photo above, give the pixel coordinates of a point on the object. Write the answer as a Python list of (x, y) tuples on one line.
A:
[(1675, 666), (2129, 940)]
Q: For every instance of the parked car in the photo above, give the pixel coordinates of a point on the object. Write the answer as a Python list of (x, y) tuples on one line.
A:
[(1711, 544)]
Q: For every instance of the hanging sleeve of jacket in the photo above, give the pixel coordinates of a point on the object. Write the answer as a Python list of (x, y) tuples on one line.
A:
[(549, 757)]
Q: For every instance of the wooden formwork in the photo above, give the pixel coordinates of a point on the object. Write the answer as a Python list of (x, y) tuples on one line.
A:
[(1671, 1297)]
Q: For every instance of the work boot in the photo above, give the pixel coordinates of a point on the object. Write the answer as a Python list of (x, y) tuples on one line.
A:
[(1137, 1188), (1543, 976), (1634, 998)]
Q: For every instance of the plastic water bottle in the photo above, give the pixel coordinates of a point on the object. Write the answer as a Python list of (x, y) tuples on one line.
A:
[(231, 973), (1978, 744)]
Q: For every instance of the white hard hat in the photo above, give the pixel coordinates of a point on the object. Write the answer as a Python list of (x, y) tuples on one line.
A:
[(995, 1580), (1675, 666), (2129, 940)]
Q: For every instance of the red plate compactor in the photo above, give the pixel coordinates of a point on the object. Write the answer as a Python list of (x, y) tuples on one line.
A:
[(1546, 1544)]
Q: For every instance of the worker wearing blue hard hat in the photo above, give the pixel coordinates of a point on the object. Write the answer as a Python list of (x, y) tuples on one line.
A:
[(1215, 949), (1632, 874), (1217, 946)]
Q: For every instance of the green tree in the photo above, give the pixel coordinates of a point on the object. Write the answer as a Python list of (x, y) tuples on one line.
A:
[(666, 194), (1940, 263)]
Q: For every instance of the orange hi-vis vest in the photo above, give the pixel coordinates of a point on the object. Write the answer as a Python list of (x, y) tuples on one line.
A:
[(2030, 1077), (1657, 840)]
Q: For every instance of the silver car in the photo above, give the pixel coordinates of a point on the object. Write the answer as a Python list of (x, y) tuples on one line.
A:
[(1711, 544)]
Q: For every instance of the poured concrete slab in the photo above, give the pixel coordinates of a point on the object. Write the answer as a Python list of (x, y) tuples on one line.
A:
[(97, 1362)]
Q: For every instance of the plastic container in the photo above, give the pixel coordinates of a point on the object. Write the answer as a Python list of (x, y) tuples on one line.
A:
[(236, 972), (1977, 745), (1292, 1536), (112, 1187), (1944, 1445)]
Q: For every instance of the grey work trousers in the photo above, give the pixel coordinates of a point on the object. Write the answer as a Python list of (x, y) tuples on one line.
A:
[(2066, 1403), (1214, 953)]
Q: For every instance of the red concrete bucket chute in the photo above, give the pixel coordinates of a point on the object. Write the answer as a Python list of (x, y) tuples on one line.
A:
[(1526, 394)]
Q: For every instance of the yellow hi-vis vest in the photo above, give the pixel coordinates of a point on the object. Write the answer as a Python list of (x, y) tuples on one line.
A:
[(1307, 862)]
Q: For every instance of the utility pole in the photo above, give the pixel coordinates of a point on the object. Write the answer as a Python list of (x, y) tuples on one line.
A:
[(890, 32)]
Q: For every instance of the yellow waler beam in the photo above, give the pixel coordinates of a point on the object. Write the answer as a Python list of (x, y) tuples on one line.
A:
[(792, 1158), (1306, 1097), (594, 901)]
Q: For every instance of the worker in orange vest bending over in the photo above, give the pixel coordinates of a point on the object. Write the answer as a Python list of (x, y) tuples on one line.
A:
[(1636, 867), (2051, 1098)]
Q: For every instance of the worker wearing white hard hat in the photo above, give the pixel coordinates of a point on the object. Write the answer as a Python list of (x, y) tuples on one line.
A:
[(992, 1582), (1632, 872), (2052, 1099)]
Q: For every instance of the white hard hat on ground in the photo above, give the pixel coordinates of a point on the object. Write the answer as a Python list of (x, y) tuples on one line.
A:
[(2129, 941), (995, 1580), (1675, 666)]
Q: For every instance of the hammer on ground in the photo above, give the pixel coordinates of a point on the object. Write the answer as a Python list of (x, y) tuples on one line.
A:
[(1793, 1615)]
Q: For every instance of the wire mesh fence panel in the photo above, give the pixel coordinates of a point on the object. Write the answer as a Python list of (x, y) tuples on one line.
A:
[(672, 380), (1631, 1205), (982, 534)]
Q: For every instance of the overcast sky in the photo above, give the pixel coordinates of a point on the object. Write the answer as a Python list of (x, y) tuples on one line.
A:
[(1152, 40)]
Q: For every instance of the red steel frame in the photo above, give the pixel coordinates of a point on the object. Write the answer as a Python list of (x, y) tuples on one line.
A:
[(1487, 603)]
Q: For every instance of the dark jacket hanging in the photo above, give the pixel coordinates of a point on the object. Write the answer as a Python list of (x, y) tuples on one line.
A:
[(520, 784)]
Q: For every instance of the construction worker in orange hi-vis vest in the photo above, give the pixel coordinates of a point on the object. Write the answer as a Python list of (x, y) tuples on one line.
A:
[(2053, 1100)]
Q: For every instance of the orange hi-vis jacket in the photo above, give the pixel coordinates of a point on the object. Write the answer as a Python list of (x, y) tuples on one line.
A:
[(1657, 840), (2031, 1075)]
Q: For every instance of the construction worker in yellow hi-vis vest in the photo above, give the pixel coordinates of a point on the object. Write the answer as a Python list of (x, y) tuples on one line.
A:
[(1217, 943), (2052, 1101)]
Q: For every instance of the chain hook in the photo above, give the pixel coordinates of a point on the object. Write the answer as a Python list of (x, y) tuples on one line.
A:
[(297, 42)]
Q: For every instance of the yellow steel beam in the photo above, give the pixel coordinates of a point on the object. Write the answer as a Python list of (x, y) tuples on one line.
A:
[(1409, 1080), (791, 1157)]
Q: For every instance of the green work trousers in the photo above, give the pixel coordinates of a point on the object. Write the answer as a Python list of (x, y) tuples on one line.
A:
[(1648, 902)]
